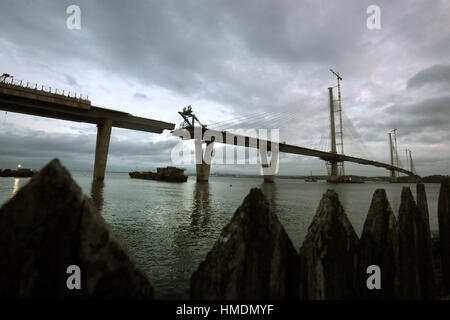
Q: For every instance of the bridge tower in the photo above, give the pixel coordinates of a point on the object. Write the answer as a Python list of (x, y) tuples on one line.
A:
[(394, 153), (395, 147), (337, 167), (411, 163), (334, 175), (393, 172), (341, 126)]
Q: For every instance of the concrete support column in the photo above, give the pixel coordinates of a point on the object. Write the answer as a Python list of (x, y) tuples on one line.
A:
[(203, 162), (269, 177), (334, 172), (334, 165), (393, 173), (332, 125), (267, 169), (393, 176), (101, 149)]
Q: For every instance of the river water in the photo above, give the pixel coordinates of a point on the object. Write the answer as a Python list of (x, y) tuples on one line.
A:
[(170, 227)]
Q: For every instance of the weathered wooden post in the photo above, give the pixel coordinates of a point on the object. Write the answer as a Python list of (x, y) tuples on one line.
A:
[(328, 256), (379, 245), (444, 231)]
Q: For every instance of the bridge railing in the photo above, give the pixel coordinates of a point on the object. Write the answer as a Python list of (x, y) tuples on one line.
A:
[(45, 89)]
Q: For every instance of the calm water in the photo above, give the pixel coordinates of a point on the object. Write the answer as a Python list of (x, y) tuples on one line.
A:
[(170, 228)]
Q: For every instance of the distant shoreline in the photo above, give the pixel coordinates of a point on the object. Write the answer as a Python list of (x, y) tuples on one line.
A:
[(404, 179)]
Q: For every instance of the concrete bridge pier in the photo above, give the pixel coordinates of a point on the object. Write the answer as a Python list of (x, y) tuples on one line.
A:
[(268, 177), (268, 170), (203, 161), (101, 149), (393, 176), (334, 176)]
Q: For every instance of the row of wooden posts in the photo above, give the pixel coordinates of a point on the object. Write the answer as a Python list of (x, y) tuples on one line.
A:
[(395, 258)]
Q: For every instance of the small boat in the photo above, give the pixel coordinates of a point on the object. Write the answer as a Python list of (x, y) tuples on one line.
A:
[(170, 174), (18, 173)]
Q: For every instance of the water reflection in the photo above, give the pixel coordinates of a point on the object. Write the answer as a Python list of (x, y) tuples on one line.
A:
[(191, 240), (97, 188), (15, 187), (201, 207)]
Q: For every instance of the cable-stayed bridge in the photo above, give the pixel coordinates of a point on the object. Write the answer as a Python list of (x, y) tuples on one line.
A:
[(335, 159), (30, 99), (252, 142)]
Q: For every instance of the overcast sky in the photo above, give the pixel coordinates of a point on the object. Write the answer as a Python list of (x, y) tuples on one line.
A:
[(228, 59)]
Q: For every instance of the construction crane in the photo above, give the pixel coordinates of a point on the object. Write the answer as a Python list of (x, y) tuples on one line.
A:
[(189, 118), (341, 127), (5, 76)]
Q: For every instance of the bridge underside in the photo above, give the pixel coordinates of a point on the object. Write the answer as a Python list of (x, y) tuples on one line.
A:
[(94, 115), (20, 101)]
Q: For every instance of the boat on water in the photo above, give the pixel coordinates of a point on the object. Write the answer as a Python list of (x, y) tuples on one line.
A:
[(170, 174), (17, 173), (345, 180)]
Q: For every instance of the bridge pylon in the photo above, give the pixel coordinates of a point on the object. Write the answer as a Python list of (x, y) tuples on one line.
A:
[(268, 165), (334, 174), (393, 172)]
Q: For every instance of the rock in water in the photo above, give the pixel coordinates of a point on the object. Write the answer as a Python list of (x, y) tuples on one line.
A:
[(328, 255), (379, 245), (444, 232), (253, 258), (49, 225), (426, 266)]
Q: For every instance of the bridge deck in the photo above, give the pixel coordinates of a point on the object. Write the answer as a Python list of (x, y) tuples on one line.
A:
[(239, 140), (37, 103)]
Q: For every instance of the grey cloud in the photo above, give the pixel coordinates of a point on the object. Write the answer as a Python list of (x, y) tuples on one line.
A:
[(242, 55), (432, 75), (71, 81), (431, 113), (416, 121), (251, 56), (140, 96), (217, 50)]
